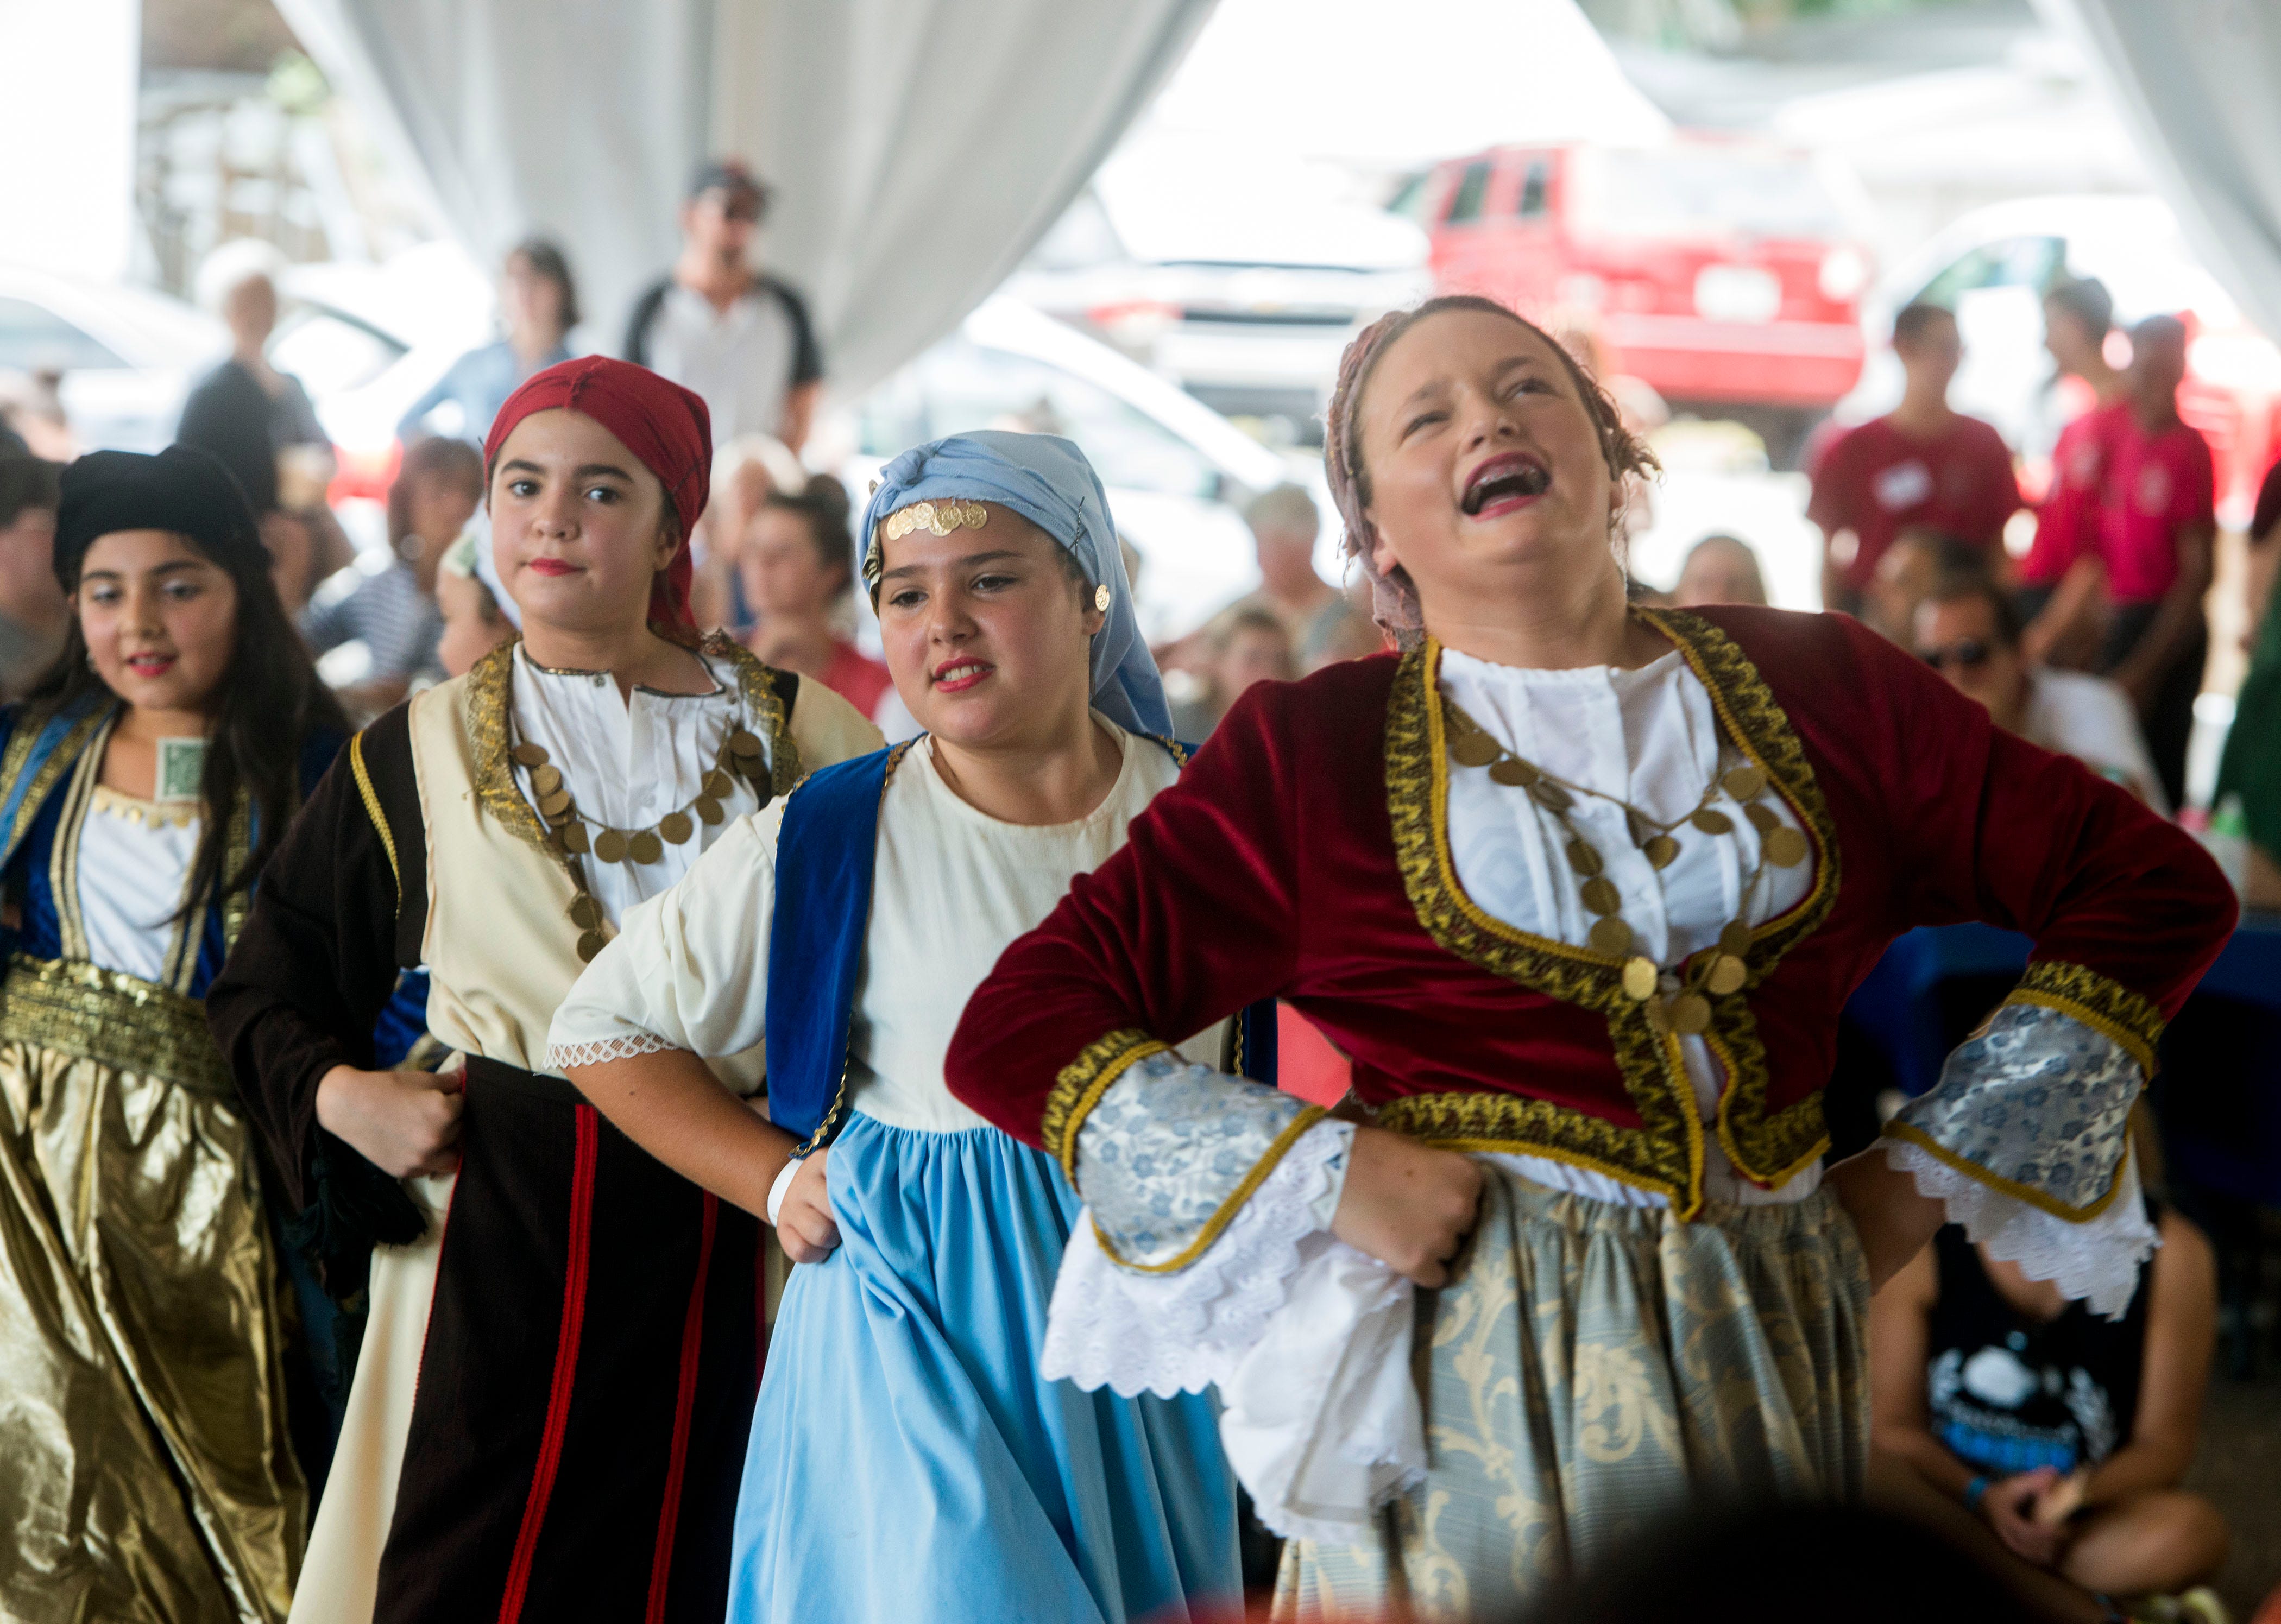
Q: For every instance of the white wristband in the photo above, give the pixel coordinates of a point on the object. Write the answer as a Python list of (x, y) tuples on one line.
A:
[(783, 1182)]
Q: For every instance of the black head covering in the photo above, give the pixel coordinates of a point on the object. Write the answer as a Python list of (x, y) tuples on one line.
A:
[(182, 489)]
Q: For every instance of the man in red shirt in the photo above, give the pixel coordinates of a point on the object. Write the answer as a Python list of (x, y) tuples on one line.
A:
[(1920, 466), (2061, 577), (2157, 527)]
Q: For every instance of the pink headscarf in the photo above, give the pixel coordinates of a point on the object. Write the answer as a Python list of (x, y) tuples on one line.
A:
[(664, 425)]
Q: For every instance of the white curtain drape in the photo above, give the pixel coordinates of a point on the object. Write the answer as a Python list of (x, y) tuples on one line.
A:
[(917, 147), (2196, 81)]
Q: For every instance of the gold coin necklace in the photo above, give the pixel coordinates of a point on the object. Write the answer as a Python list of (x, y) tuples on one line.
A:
[(1724, 971), (577, 836)]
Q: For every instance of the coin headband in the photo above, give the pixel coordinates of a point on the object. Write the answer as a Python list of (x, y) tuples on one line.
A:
[(943, 518)]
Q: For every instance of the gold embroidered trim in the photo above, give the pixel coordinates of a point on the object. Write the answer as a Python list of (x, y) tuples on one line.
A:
[(1080, 1085), (2027, 1193), (755, 681), (490, 688), (134, 809), (1227, 1211), (372, 811), (110, 1016), (2099, 1002), (1519, 1125), (829, 1127), (60, 760), (1665, 1151)]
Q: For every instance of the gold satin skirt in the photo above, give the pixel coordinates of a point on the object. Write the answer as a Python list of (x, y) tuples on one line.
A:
[(145, 1469)]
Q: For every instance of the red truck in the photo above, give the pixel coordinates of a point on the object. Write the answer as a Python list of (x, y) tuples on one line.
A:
[(1722, 272)]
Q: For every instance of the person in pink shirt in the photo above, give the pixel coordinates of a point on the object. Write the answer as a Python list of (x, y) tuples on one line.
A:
[(2061, 577), (2157, 527), (1923, 466)]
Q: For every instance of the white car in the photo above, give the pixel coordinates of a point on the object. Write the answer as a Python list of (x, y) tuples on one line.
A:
[(1177, 472), (126, 356), (1993, 266)]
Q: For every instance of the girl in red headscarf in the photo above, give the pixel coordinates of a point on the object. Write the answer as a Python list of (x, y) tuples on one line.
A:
[(549, 1408)]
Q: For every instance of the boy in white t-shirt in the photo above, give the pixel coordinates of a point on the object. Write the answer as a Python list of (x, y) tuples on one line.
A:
[(1968, 630)]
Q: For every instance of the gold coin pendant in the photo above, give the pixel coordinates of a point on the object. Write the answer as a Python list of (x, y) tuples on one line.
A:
[(1473, 750), (1514, 773), (1785, 849), (547, 780), (744, 744), (1601, 895), (1764, 819), (589, 944), (556, 804), (1551, 795), (1711, 820), (1662, 851), (1744, 782), (719, 785), (1727, 976), (573, 837), (707, 809), (531, 755), (1735, 939), (675, 827), (586, 912), (1612, 936), (610, 847), (1584, 857), (1640, 976), (646, 847), (1691, 1014)]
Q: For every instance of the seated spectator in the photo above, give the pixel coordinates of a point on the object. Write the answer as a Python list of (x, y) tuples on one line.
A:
[(2066, 1433), (798, 570), (1720, 569), (393, 613), (1923, 465), (1251, 645), (474, 621), (34, 613), (1968, 629), (1906, 573)]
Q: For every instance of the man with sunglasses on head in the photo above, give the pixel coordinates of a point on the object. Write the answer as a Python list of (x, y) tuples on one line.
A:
[(738, 337), (1968, 629)]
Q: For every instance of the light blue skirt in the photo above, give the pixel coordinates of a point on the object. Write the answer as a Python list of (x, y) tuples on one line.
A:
[(908, 1464)]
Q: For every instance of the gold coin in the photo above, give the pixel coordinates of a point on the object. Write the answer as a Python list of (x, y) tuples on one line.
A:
[(1601, 895), (1735, 939), (1640, 976), (1514, 773), (531, 755), (1712, 822), (556, 804), (1744, 782), (1662, 851), (610, 847), (719, 785), (547, 780), (589, 944), (1584, 857), (707, 809), (1474, 750), (675, 827), (1764, 819), (1099, 593), (742, 743), (646, 847), (1612, 936), (1727, 976), (1785, 849), (1551, 795), (573, 835), (586, 912), (1691, 1013)]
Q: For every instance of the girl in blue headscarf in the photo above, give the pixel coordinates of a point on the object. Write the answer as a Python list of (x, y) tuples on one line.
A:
[(907, 1461)]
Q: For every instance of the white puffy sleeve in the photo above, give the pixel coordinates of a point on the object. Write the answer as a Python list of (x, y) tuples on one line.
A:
[(688, 969)]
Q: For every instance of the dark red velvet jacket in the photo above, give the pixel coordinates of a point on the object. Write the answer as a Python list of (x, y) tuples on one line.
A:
[(1304, 855)]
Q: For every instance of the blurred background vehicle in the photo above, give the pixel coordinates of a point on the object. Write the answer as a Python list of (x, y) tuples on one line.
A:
[(1723, 272), (1240, 282), (1178, 473), (120, 357), (1993, 266)]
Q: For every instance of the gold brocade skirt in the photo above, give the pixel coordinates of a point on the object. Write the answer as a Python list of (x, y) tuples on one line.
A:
[(1593, 1367), (145, 1470)]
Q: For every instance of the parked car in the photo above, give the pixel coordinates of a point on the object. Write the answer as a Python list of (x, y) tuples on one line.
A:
[(1240, 284), (1725, 274), (126, 357), (1993, 268), (1177, 472)]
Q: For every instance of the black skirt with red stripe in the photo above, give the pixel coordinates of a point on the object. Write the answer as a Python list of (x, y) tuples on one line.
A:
[(587, 1383)]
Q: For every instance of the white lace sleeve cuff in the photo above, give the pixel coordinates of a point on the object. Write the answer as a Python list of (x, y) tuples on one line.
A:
[(1307, 1340), (2024, 1142)]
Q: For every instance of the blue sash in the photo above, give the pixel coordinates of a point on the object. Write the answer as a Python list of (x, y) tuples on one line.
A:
[(825, 857)]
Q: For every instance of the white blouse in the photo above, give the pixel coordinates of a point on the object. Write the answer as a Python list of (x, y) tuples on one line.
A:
[(134, 861), (629, 761), (953, 888), (1649, 737)]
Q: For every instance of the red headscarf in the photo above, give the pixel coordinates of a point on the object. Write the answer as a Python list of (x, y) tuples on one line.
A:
[(663, 424)]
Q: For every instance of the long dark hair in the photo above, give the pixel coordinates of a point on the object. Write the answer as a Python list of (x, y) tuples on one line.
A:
[(272, 700), (546, 258)]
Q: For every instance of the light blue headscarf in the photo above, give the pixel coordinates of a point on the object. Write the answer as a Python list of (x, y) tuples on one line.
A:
[(1047, 480)]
